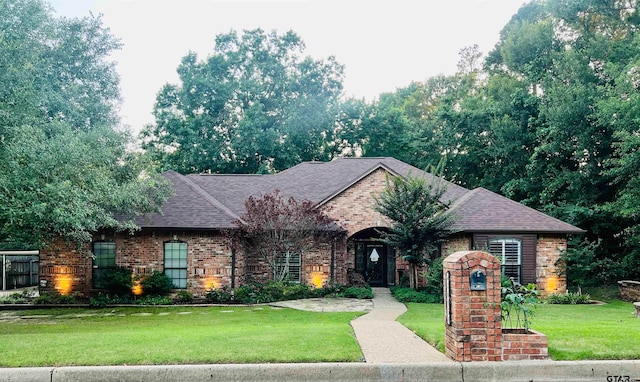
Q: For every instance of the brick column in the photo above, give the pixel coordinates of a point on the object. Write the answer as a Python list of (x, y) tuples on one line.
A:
[(472, 316)]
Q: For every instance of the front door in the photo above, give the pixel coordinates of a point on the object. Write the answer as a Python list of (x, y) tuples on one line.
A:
[(376, 257)]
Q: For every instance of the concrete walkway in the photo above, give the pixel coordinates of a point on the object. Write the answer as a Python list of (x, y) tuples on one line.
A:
[(384, 340), (381, 338)]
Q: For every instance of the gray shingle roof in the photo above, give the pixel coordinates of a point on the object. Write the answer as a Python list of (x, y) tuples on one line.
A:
[(204, 201)]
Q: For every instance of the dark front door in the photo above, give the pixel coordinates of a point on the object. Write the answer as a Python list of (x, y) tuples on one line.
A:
[(376, 257)]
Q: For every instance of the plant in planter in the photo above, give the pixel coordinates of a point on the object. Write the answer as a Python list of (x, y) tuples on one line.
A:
[(517, 305)]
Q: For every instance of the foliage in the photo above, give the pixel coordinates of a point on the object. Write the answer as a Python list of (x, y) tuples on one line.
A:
[(357, 292), (419, 222), (23, 297), (255, 105), (518, 303), (405, 294), (65, 167), (183, 297), (434, 280), (156, 284), (116, 281), (102, 300), (274, 229), (256, 293), (583, 268), (154, 300), (53, 298), (569, 298)]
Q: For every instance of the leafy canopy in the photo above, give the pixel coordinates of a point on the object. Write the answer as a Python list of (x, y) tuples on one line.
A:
[(65, 170)]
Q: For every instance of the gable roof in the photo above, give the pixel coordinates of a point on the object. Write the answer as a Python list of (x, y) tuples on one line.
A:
[(481, 210), (211, 201)]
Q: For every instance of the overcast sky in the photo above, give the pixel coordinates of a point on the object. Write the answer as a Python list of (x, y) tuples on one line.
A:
[(384, 45)]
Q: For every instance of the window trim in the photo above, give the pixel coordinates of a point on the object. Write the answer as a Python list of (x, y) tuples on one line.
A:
[(98, 269), (503, 258), (178, 282)]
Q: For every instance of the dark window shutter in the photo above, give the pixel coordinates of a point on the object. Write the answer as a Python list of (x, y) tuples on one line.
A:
[(480, 242), (528, 259)]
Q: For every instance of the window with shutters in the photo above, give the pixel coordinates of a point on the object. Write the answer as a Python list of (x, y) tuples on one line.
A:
[(289, 267), (510, 253), (175, 263)]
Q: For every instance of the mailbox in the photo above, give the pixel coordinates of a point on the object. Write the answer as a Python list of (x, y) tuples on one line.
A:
[(478, 280)]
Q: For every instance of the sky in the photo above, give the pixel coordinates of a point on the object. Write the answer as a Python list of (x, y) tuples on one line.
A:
[(383, 44)]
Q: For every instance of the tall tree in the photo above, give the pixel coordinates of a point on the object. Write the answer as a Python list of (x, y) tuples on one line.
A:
[(419, 223), (64, 168), (255, 105)]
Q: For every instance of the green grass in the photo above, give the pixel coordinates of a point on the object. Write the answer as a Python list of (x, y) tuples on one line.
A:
[(575, 332), (206, 335)]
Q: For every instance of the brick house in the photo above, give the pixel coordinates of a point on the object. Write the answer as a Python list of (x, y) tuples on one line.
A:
[(187, 241)]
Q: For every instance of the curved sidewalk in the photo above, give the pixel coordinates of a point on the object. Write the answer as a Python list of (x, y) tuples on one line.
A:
[(384, 340)]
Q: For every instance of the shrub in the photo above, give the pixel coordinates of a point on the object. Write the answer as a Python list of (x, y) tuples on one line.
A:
[(54, 298), (223, 295), (569, 298), (156, 284), (102, 300), (183, 297), (23, 297), (357, 292), (154, 300), (435, 285), (355, 279), (406, 294), (116, 281)]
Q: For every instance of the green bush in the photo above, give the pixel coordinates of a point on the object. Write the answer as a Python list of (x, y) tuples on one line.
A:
[(23, 297), (223, 295), (156, 284), (183, 297), (405, 294), (568, 299), (154, 300), (102, 300), (357, 292), (54, 298), (116, 281)]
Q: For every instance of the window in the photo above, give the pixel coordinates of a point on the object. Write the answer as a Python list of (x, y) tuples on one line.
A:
[(104, 258), (175, 263), (290, 270), (510, 253)]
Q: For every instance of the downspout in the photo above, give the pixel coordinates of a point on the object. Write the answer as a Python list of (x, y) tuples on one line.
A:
[(333, 260), (233, 268)]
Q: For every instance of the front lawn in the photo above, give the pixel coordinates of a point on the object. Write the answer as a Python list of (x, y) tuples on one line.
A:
[(575, 332), (175, 335)]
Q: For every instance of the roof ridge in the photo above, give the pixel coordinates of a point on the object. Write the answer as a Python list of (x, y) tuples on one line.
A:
[(208, 197), (461, 201)]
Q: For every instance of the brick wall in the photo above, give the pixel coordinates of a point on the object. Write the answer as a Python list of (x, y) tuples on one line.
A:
[(548, 278), (524, 346), (353, 209), (66, 268), (474, 332)]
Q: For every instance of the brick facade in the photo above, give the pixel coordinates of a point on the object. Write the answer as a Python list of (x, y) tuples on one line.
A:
[(353, 209), (548, 277), (210, 260), (474, 328)]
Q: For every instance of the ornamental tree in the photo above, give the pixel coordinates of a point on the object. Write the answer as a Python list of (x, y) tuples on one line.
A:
[(419, 223), (275, 229)]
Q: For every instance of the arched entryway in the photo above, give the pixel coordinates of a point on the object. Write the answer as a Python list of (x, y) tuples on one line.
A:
[(374, 260)]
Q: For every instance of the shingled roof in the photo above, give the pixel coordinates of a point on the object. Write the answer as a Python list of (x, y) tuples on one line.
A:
[(206, 201)]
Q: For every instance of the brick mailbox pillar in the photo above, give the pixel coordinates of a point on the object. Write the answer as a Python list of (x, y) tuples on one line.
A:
[(472, 307)]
